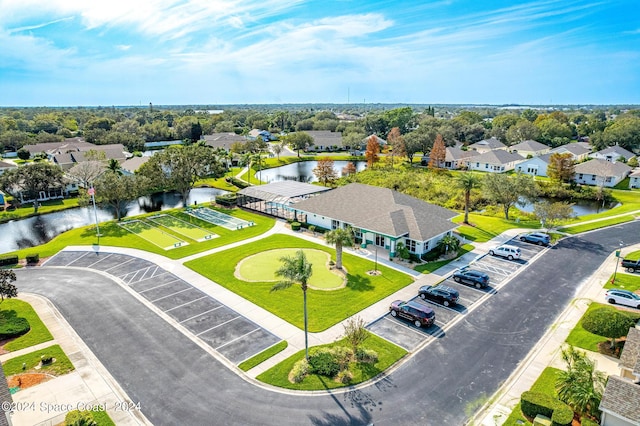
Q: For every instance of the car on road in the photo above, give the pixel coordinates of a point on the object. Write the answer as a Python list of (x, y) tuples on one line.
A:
[(538, 238), (505, 250), (631, 265), (419, 314), (471, 277), (440, 293), (622, 297)]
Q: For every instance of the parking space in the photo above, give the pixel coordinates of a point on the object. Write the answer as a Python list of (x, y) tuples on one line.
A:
[(406, 335), (223, 329)]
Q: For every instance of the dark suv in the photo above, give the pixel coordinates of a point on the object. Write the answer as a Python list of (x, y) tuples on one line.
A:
[(416, 312), (471, 277), (439, 293)]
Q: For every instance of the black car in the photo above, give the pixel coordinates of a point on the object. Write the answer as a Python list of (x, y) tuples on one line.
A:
[(440, 293), (416, 312), (472, 277)]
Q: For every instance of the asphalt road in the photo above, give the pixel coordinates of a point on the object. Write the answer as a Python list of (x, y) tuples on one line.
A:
[(176, 382)]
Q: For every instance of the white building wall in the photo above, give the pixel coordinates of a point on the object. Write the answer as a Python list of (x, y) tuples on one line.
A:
[(588, 179), (533, 167), (634, 182), (611, 420)]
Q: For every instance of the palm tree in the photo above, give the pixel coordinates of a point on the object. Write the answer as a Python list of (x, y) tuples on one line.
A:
[(340, 237), (467, 182), (581, 386), (296, 270), (114, 166)]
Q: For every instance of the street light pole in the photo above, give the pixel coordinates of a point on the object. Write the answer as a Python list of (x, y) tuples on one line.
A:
[(615, 271)]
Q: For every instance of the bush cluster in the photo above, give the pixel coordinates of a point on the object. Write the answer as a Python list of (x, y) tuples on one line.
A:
[(299, 371), (78, 418), (8, 260), (237, 182), (534, 403), (295, 226), (227, 200), (33, 258), (324, 363), (12, 325)]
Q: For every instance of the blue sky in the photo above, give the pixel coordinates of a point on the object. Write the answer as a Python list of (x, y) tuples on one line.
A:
[(131, 52)]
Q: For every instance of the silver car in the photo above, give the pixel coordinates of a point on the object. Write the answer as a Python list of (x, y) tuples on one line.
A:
[(622, 297)]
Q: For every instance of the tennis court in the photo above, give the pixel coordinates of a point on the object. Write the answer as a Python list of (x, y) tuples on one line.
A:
[(218, 218), (152, 234), (182, 227)]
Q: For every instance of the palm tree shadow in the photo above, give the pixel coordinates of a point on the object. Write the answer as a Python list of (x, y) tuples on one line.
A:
[(359, 283)]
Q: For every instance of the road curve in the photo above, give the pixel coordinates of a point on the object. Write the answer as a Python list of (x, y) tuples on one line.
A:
[(177, 382)]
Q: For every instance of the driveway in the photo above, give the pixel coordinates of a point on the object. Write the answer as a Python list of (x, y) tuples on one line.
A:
[(178, 382)]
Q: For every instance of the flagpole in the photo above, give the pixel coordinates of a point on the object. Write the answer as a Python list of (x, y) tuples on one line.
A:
[(92, 191)]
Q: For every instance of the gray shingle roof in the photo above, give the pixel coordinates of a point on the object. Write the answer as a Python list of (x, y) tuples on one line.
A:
[(574, 148), (631, 352), (456, 154), (600, 167), (617, 150), (622, 397), (381, 210), (492, 143), (134, 163), (325, 137), (529, 145), (498, 157)]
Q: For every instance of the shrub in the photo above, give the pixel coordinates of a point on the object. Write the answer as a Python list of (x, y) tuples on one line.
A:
[(368, 356), (12, 325), (8, 260), (585, 421), (46, 360), (299, 371), (312, 228), (33, 258), (432, 255), (295, 226), (324, 363), (342, 355), (227, 200), (79, 418), (562, 415), (534, 403), (344, 377)]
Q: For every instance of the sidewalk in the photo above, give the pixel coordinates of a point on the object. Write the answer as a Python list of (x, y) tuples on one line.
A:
[(547, 353), (89, 384)]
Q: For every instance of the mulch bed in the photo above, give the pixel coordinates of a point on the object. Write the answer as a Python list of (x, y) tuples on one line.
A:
[(605, 347), (27, 380)]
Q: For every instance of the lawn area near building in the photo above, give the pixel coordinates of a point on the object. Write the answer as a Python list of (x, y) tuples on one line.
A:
[(624, 281), (326, 308), (581, 338), (114, 235), (484, 228), (38, 332), (546, 384)]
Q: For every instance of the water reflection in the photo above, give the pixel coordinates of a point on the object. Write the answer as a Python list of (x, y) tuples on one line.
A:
[(580, 207), (33, 231), (302, 171)]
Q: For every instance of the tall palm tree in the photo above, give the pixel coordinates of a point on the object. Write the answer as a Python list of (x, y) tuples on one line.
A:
[(296, 270), (467, 182), (340, 237), (580, 386)]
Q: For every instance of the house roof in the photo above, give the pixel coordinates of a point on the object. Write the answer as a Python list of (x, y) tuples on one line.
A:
[(222, 140), (636, 172), (529, 145), (133, 163), (601, 167), (381, 210), (499, 157), (63, 159), (577, 149), (491, 143), (616, 150), (622, 398), (5, 165), (111, 152), (456, 154), (544, 158), (284, 190), (380, 141), (325, 137), (631, 352)]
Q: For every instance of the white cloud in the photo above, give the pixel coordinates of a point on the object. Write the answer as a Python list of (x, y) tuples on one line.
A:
[(123, 47)]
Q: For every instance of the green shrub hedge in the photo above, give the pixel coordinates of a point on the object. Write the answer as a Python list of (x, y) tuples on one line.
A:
[(587, 422), (534, 403), (295, 226), (324, 363), (227, 200), (33, 258), (562, 415), (8, 260), (12, 325), (79, 418)]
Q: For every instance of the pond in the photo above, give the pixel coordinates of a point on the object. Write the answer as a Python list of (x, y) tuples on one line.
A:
[(580, 207), (33, 231), (302, 171)]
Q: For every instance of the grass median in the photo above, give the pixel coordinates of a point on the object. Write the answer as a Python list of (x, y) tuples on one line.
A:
[(38, 332)]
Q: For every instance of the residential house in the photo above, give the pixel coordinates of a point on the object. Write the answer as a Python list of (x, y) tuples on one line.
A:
[(601, 172), (620, 404), (456, 158), (263, 134), (324, 140), (130, 166), (577, 150), (379, 216), (613, 153), (487, 145), (634, 179), (496, 161), (535, 166), (530, 148), (222, 140), (363, 144), (5, 165), (66, 159)]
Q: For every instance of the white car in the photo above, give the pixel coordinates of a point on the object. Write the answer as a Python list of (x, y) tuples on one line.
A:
[(505, 250), (622, 297)]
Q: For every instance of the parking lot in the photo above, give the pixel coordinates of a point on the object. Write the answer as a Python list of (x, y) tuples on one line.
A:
[(405, 334), (224, 330)]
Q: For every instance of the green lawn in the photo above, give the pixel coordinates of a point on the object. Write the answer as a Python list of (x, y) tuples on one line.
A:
[(263, 356), (634, 255), (429, 267), (38, 333), (325, 308), (545, 384), (596, 225), (45, 207), (179, 225), (152, 234), (581, 338), (484, 228), (624, 281), (388, 354), (262, 267), (114, 235), (60, 366)]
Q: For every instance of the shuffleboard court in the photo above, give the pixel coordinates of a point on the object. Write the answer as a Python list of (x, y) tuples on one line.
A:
[(217, 218), (182, 227), (153, 235)]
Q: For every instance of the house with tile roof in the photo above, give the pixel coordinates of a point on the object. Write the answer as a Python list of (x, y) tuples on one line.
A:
[(601, 172), (613, 153), (222, 140), (379, 216), (578, 150), (496, 161), (487, 145), (130, 166), (634, 179), (324, 140), (456, 158), (620, 403), (529, 148)]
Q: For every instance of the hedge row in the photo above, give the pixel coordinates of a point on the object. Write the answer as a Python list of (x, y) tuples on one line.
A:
[(237, 182), (8, 260), (227, 200), (534, 403)]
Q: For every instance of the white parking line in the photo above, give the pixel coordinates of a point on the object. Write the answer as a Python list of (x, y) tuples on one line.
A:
[(119, 265), (158, 286), (98, 261), (439, 305), (220, 325), (490, 268), (238, 338), (201, 313), (401, 323), (172, 294), (77, 258), (186, 303), (156, 276)]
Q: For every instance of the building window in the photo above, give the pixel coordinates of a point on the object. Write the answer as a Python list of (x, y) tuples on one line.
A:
[(593, 177), (486, 166), (580, 176), (335, 224), (411, 245)]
